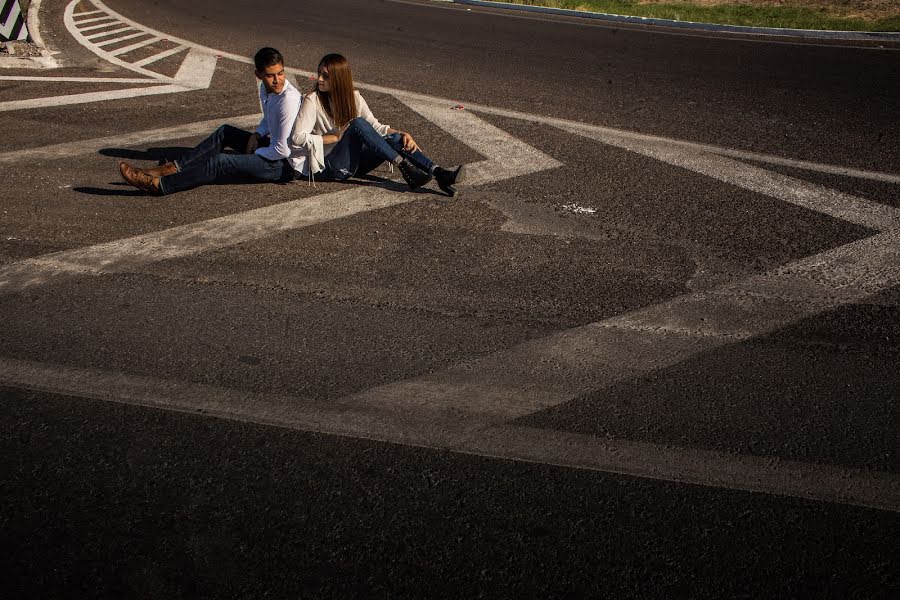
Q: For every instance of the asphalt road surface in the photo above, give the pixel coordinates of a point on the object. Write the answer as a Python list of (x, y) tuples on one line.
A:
[(650, 350)]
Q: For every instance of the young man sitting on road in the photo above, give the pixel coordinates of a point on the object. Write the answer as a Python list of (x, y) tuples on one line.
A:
[(264, 156)]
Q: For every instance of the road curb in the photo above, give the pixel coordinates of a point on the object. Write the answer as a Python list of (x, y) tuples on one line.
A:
[(811, 34)]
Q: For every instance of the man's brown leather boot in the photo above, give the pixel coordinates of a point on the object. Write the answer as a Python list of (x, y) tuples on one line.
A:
[(162, 170), (139, 179)]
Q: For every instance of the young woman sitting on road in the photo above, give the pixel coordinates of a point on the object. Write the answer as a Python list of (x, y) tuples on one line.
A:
[(342, 137)]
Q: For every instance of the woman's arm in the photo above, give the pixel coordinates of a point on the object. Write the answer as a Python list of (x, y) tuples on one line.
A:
[(365, 112), (409, 144)]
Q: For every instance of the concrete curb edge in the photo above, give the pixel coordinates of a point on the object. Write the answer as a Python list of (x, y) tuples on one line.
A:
[(871, 36)]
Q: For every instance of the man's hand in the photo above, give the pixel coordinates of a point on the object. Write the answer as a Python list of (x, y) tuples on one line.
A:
[(252, 143), (409, 144)]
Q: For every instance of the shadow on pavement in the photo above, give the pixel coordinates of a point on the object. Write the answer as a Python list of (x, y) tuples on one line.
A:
[(157, 154), (95, 191)]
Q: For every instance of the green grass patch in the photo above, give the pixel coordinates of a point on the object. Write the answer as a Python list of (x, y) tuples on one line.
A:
[(730, 14)]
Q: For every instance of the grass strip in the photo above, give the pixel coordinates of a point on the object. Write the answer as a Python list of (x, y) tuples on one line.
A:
[(813, 15)]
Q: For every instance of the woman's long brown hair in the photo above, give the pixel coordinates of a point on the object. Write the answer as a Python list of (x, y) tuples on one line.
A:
[(339, 103)]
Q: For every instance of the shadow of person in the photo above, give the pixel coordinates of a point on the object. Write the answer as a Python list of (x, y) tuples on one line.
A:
[(122, 191), (160, 155), (391, 184)]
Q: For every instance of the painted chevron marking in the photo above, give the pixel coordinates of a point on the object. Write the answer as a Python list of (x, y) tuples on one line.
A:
[(120, 39), (872, 489), (92, 146), (129, 254), (108, 33), (160, 56)]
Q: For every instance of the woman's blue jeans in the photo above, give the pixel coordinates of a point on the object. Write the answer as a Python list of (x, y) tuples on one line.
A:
[(361, 149), (207, 163)]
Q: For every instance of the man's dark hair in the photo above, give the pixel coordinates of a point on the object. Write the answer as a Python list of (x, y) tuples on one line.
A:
[(266, 57)]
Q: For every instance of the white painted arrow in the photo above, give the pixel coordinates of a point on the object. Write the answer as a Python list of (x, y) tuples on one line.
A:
[(506, 157)]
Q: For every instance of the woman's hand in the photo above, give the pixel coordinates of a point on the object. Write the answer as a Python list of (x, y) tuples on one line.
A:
[(335, 135), (409, 144)]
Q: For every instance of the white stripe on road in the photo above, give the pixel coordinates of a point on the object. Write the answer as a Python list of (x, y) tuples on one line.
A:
[(141, 44), (96, 36), (125, 140), (195, 73), (867, 488), (119, 40), (775, 185), (543, 373), (81, 22), (110, 23), (506, 155), (88, 97), (73, 29), (158, 57), (72, 79), (130, 254)]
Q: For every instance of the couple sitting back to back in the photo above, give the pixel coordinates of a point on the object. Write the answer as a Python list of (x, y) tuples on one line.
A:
[(330, 134)]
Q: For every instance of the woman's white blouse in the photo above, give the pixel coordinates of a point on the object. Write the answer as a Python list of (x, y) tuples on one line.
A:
[(313, 122)]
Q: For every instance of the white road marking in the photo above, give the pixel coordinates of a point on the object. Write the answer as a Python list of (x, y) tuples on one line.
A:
[(682, 144), (103, 34), (131, 253), (125, 140), (87, 12), (81, 22), (525, 379), (195, 73), (775, 185), (135, 46), (507, 156), (158, 57), (90, 97), (120, 39), (128, 255), (561, 123), (477, 397), (110, 23), (72, 79), (867, 488)]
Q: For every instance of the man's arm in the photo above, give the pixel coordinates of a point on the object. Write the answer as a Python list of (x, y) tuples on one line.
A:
[(262, 130), (281, 125)]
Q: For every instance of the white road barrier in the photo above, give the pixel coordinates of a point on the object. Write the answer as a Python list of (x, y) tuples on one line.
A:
[(12, 21)]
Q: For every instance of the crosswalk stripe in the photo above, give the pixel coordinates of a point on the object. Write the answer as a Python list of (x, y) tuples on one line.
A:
[(119, 40), (96, 36), (96, 20), (138, 45), (100, 26), (158, 57)]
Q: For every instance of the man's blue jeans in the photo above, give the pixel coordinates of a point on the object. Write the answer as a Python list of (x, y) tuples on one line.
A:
[(361, 149), (208, 164)]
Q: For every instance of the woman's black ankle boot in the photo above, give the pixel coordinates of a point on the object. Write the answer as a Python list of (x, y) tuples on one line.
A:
[(447, 178), (413, 175)]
